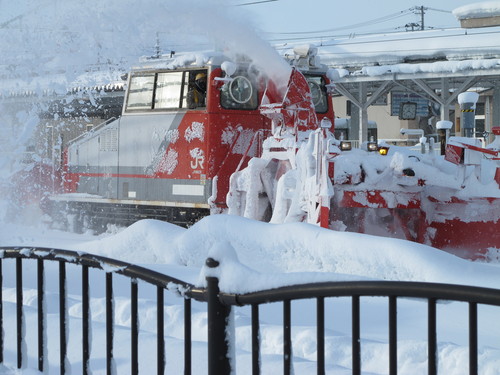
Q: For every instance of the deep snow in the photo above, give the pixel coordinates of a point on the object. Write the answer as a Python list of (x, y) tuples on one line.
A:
[(256, 256)]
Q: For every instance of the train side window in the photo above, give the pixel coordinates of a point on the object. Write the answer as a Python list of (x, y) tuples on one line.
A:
[(168, 90), (239, 93), (195, 89), (140, 93)]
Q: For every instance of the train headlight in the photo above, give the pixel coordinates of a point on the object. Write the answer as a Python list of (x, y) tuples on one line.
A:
[(383, 150), (345, 146), (372, 146)]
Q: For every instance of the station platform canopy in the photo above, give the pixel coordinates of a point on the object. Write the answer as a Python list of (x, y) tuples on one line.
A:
[(436, 64)]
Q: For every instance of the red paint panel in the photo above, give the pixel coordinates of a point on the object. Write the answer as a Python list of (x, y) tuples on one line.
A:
[(454, 154), (467, 240), (375, 199)]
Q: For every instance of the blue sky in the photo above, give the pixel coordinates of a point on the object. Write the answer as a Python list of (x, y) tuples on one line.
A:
[(75, 32), (312, 15)]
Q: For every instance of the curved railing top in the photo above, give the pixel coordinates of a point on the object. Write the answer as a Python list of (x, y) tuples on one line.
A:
[(373, 288), (409, 289), (95, 261)]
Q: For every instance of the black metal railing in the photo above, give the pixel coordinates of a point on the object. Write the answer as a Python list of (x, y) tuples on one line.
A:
[(86, 261), (431, 292), (219, 305)]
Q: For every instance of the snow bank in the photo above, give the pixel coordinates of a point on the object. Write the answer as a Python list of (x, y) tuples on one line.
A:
[(254, 254), (145, 242)]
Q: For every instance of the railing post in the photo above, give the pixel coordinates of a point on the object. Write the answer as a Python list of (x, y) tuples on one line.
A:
[(86, 336), (19, 312), (218, 319), (1, 312), (287, 337), (255, 340), (356, 336), (110, 331), (431, 337), (63, 322), (42, 335)]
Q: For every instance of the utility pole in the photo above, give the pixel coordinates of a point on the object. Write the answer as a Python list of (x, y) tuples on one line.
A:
[(420, 10), (157, 46)]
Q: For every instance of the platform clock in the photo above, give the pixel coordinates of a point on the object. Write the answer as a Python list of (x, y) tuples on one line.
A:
[(408, 111)]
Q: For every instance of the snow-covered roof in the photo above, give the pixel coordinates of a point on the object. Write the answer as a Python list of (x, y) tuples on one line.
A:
[(62, 83), (406, 47), (182, 60), (420, 52), (463, 67), (478, 10)]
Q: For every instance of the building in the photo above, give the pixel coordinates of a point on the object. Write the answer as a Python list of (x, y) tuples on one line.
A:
[(413, 79)]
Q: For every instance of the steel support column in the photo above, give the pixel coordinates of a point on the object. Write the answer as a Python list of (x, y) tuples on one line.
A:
[(496, 106), (445, 99), (363, 112), (359, 118)]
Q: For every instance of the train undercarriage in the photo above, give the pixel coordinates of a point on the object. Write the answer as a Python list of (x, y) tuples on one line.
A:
[(79, 217)]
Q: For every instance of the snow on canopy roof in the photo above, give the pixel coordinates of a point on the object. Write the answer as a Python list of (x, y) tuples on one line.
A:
[(61, 84), (183, 60), (417, 46), (105, 78), (478, 10), (442, 67)]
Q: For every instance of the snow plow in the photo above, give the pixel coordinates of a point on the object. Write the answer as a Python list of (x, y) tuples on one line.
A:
[(450, 201), (266, 150)]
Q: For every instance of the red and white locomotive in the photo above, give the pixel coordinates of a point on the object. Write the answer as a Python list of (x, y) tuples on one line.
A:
[(171, 153), (264, 148)]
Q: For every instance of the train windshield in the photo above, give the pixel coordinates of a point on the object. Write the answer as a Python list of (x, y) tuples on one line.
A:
[(318, 93), (240, 93)]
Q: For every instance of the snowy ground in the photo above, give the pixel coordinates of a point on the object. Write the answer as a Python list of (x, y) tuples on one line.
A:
[(254, 256)]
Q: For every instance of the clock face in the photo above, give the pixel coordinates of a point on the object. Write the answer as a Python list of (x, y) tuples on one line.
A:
[(408, 111)]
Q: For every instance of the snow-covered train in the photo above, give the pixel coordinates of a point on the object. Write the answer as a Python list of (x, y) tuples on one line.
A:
[(263, 147), (171, 153)]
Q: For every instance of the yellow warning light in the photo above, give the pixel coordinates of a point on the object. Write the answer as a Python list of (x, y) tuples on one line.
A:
[(383, 150)]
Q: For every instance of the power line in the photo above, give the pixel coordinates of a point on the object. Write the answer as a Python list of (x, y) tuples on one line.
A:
[(410, 37), (361, 24), (420, 10), (256, 2), (479, 48), (440, 10), (352, 36)]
